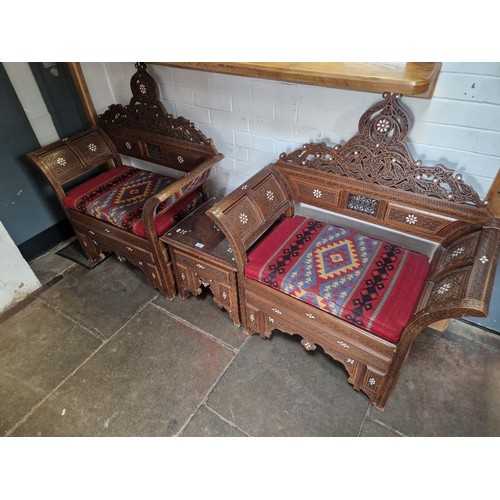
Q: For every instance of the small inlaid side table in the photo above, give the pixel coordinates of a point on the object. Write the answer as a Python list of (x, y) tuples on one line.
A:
[(201, 255)]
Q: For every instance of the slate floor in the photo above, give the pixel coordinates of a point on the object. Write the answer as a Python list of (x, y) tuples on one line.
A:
[(100, 353)]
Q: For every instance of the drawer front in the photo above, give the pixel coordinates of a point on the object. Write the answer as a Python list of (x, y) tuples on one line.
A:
[(98, 226), (111, 239), (289, 315), (206, 271)]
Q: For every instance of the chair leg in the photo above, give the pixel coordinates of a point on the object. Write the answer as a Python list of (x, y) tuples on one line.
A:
[(89, 248), (168, 287)]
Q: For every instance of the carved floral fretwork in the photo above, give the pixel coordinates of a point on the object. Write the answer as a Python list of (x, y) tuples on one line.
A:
[(146, 112), (378, 154)]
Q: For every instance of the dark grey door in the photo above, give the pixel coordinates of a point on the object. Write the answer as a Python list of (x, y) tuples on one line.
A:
[(60, 96), (29, 209)]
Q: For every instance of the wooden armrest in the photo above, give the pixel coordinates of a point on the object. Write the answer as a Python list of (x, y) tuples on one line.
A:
[(176, 191), (461, 278), (250, 210)]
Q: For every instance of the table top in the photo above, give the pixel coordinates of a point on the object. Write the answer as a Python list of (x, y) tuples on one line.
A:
[(197, 232)]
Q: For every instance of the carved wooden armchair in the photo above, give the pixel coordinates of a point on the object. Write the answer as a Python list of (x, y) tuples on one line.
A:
[(350, 286), (121, 209)]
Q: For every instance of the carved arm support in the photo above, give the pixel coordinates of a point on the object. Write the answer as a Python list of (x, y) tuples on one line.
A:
[(460, 280), (250, 210), (176, 191)]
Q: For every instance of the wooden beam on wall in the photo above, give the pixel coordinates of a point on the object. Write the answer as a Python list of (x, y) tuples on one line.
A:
[(83, 91), (493, 196)]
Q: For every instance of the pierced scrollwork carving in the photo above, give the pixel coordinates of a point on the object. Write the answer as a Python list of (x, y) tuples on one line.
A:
[(362, 204), (146, 112), (378, 154)]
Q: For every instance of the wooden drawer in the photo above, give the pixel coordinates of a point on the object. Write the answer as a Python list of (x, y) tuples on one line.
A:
[(110, 238), (286, 313), (204, 269)]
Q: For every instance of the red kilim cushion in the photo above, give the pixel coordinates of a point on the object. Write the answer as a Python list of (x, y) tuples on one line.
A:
[(367, 282), (117, 196)]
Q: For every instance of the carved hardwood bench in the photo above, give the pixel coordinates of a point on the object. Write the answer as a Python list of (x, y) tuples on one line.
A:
[(122, 209), (357, 281)]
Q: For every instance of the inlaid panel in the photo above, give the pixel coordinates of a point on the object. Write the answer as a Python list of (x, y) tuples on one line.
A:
[(415, 221)]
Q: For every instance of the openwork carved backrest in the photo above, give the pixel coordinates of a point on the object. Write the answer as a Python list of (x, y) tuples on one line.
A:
[(146, 112), (144, 129), (373, 177), (378, 154)]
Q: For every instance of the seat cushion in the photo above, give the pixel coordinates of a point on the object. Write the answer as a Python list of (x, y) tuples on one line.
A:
[(117, 196), (370, 283)]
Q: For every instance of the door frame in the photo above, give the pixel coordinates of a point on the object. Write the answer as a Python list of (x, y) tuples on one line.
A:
[(83, 91)]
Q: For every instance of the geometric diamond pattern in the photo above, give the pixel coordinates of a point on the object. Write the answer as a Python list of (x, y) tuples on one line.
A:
[(118, 197), (367, 282), (337, 258), (134, 192)]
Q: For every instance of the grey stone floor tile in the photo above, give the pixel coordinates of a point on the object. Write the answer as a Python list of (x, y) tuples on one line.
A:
[(104, 298), (17, 398), (146, 381), (374, 429), (49, 266), (276, 388), (206, 423), (450, 386), (473, 333), (202, 312), (39, 348)]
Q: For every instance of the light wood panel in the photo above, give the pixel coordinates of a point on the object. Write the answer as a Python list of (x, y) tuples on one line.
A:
[(83, 91), (494, 196), (413, 79)]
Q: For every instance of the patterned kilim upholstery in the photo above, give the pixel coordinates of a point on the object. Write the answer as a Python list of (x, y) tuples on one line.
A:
[(118, 196), (367, 282)]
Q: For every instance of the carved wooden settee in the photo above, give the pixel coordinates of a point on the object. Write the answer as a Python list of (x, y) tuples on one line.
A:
[(122, 209), (354, 286)]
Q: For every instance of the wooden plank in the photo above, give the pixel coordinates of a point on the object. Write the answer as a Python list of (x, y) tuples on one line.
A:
[(493, 196), (441, 325), (83, 91), (412, 79)]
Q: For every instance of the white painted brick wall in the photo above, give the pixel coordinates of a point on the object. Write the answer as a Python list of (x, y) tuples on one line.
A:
[(173, 94), (252, 121), (211, 100)]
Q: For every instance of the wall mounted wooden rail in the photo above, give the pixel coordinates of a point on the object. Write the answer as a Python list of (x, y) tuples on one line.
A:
[(411, 79)]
